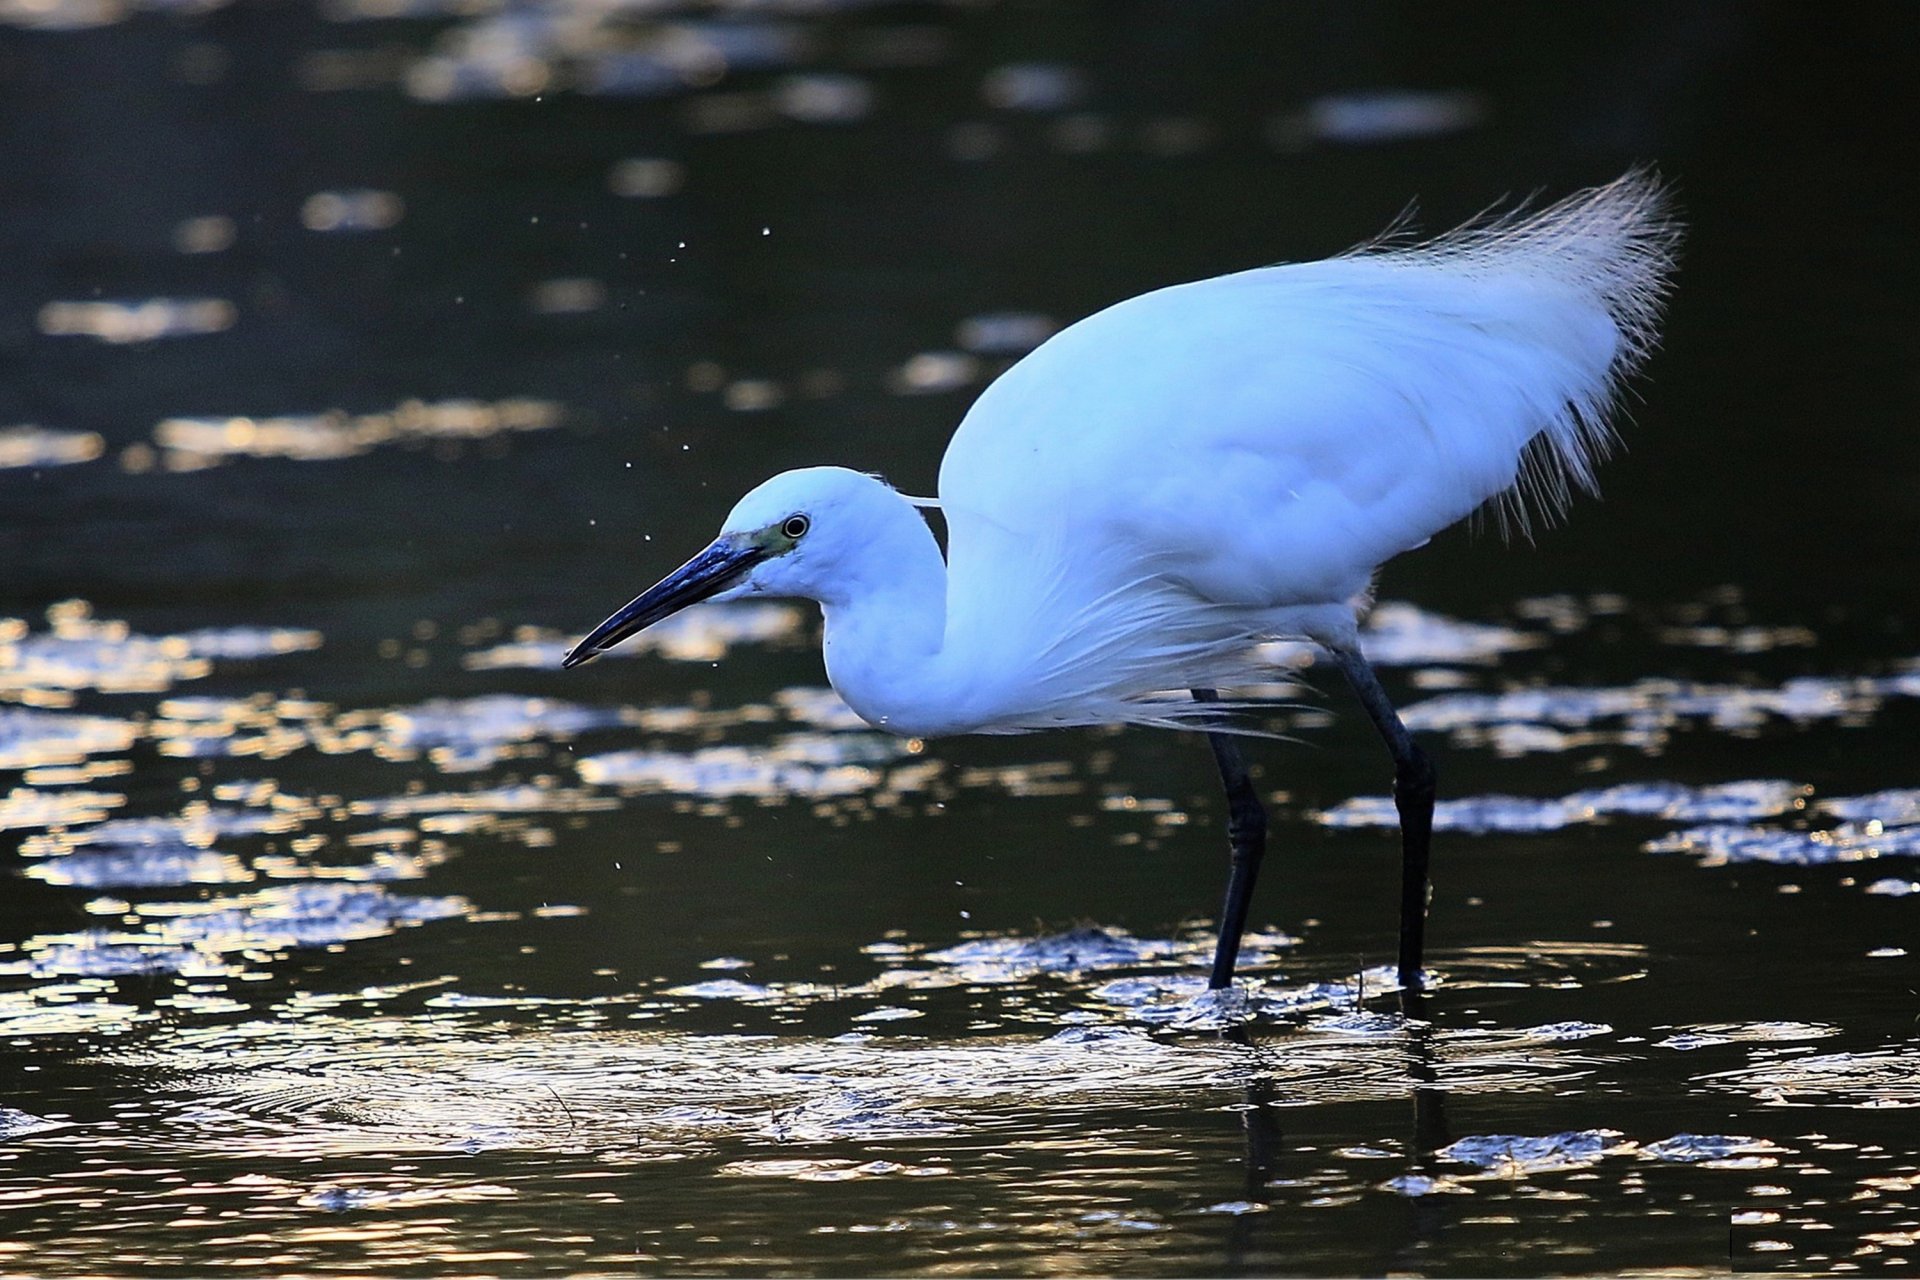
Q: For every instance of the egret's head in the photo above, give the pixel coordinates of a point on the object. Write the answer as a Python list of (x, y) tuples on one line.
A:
[(810, 533)]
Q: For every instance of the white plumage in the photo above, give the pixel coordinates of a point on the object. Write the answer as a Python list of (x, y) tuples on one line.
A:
[(1147, 495)]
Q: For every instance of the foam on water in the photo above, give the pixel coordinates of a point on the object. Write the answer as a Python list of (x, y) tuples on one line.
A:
[(1085, 976), (80, 15), (1168, 971), (1034, 86), (1508, 1157)]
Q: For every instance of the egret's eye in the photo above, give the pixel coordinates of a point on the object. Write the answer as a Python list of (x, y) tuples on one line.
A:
[(796, 527)]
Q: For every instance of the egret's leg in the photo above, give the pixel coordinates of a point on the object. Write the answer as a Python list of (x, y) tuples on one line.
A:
[(1247, 838), (1413, 782)]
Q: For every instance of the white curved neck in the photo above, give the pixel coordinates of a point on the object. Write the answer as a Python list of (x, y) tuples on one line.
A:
[(886, 620)]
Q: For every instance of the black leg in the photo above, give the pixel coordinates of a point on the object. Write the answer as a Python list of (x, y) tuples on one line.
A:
[(1246, 836), (1413, 783)]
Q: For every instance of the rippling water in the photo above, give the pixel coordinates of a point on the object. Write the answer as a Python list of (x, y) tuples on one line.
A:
[(363, 353)]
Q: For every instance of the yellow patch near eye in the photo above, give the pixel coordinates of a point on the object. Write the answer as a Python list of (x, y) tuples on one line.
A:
[(774, 539)]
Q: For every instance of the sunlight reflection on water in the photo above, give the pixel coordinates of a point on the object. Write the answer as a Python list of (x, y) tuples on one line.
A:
[(29, 446), (193, 444)]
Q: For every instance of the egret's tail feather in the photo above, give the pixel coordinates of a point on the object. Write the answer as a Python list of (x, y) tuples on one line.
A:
[(1618, 241), (1609, 250)]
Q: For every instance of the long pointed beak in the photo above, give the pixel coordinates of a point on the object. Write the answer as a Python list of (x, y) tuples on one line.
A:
[(707, 574)]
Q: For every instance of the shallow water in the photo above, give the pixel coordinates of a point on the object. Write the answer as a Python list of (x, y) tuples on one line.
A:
[(365, 353)]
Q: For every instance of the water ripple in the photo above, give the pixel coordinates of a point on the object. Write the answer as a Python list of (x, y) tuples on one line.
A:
[(703, 633), (1510, 1156), (1646, 714), (797, 766), (25, 809), (37, 739), (208, 938), (1671, 801), (79, 651), (464, 735), (382, 1084), (1720, 845), (1879, 1078)]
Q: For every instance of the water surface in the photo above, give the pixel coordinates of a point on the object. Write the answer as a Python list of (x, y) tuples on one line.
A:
[(363, 354)]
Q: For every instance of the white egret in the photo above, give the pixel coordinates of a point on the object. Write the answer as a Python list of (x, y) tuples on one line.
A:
[(1138, 504)]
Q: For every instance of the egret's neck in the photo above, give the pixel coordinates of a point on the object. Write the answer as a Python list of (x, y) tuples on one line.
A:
[(886, 617)]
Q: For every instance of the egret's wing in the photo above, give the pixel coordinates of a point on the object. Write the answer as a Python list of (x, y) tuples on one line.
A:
[(1267, 439), (1276, 434)]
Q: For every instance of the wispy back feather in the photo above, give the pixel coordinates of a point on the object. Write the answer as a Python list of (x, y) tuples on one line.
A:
[(1616, 246)]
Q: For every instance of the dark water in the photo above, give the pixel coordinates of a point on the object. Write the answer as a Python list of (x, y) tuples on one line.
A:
[(356, 356)]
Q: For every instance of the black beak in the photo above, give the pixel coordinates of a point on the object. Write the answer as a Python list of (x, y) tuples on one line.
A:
[(707, 574)]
